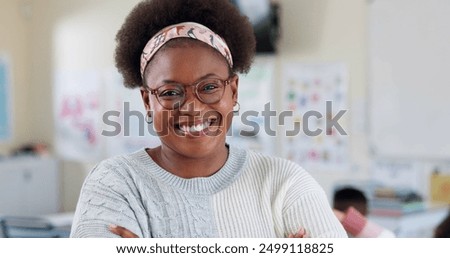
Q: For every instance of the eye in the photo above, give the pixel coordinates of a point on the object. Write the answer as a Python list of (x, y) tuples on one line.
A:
[(170, 92), (209, 87)]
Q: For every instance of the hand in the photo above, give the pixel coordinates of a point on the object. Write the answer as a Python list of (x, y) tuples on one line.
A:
[(122, 232), (300, 234)]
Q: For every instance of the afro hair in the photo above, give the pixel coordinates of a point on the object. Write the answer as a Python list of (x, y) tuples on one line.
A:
[(150, 16)]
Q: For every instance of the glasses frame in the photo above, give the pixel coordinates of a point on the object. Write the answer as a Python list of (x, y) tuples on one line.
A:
[(195, 86)]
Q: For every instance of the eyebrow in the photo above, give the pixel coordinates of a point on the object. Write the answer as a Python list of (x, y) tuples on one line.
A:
[(199, 79)]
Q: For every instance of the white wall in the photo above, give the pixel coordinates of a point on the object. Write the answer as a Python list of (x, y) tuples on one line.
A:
[(35, 50), (328, 31), (312, 32), (14, 44), (73, 34)]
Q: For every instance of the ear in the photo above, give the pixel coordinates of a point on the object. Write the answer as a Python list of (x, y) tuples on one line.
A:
[(145, 94), (234, 87)]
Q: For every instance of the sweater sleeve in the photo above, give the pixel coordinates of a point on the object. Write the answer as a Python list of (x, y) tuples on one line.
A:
[(312, 212), (104, 200), (306, 206)]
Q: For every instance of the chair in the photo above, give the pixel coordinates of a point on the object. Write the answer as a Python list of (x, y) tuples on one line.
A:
[(2, 228)]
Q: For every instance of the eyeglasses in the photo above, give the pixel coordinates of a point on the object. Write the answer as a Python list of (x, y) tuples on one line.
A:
[(173, 95)]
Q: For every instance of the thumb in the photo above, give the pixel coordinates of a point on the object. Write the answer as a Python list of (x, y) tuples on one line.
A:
[(122, 232)]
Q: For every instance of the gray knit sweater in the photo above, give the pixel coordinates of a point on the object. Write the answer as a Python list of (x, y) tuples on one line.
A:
[(252, 195)]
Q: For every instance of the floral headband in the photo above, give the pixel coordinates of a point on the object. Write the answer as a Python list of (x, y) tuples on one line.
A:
[(184, 30)]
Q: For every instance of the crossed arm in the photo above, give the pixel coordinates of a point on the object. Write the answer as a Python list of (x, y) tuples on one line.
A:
[(125, 233)]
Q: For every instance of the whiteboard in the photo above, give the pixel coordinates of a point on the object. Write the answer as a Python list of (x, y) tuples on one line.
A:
[(409, 78)]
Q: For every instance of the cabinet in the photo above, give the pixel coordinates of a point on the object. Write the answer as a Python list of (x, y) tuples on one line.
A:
[(29, 186)]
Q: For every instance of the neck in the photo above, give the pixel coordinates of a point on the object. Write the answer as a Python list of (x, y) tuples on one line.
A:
[(189, 167)]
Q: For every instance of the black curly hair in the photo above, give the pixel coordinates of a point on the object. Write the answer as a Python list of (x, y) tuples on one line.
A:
[(443, 229), (150, 16), (348, 196)]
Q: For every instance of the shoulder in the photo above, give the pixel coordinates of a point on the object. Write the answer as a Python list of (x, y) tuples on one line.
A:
[(117, 168), (272, 164), (280, 170)]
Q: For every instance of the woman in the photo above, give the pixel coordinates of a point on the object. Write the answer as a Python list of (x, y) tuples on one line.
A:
[(184, 56)]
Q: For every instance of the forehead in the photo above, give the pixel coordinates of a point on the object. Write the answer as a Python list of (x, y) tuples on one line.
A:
[(185, 60)]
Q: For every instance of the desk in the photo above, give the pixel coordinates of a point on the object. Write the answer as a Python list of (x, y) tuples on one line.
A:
[(53, 225), (416, 224)]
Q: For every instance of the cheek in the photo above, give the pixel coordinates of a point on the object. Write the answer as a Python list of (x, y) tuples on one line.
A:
[(161, 120), (226, 110)]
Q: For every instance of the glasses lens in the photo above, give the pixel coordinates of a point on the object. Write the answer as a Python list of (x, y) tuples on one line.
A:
[(210, 91), (171, 96)]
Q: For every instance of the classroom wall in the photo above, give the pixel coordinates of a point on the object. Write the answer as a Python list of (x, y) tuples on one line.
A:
[(328, 31), (71, 34), (312, 32), (14, 45), (37, 44)]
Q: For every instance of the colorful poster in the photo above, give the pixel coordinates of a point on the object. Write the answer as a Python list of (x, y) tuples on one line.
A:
[(77, 112), (314, 123), (5, 100)]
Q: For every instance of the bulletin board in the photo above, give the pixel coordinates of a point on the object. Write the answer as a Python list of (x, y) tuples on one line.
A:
[(77, 110), (97, 117), (409, 82), (5, 97), (308, 88)]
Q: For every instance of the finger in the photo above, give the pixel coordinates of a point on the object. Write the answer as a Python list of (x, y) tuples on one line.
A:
[(301, 233), (122, 232), (299, 236)]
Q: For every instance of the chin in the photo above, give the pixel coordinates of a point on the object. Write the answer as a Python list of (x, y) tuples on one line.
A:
[(198, 149)]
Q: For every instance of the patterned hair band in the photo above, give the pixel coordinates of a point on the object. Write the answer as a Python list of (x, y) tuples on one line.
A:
[(184, 30)]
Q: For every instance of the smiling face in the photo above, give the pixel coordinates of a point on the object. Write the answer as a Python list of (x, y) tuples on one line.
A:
[(195, 129)]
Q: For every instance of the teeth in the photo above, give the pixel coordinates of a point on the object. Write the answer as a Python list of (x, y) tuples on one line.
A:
[(198, 128), (195, 128)]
